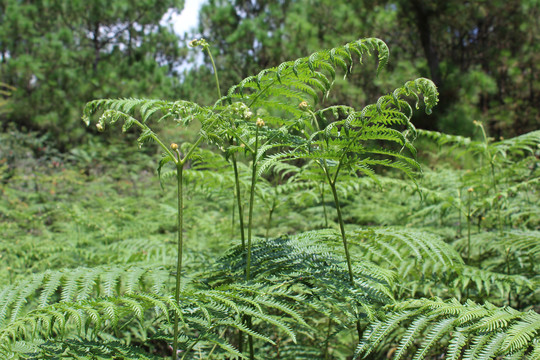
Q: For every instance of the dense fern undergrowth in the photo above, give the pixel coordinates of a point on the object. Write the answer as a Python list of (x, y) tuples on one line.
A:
[(307, 230)]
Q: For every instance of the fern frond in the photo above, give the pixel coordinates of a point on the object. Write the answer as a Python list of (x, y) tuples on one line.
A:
[(307, 78), (79, 284), (395, 245), (87, 349), (202, 312), (482, 330), (305, 266), (519, 145)]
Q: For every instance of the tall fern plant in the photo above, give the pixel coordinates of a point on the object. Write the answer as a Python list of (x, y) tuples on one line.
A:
[(282, 97), (182, 112), (273, 117), (339, 138), (353, 141), (269, 116), (270, 99)]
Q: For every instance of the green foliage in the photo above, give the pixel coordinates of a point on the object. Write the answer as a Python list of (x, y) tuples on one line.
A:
[(60, 54), (5, 91), (399, 262), (482, 60), (469, 330), (443, 261), (203, 314)]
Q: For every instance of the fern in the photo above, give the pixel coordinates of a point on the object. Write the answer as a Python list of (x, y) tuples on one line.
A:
[(202, 313), (308, 78), (77, 284), (447, 233), (81, 348), (483, 331)]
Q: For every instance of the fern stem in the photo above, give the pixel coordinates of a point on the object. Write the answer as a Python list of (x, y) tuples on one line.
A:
[(155, 138), (262, 91), (493, 178), (269, 222), (189, 348), (250, 341), (324, 206), (507, 258), (162, 145), (332, 184), (215, 345), (239, 201), (251, 201), (207, 48), (495, 188), (327, 340), (250, 225), (179, 180), (232, 215), (460, 214), (469, 228), (190, 151), (241, 339), (342, 228), (242, 230), (344, 238)]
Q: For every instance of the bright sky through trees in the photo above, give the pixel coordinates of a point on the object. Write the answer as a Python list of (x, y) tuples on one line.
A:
[(188, 18)]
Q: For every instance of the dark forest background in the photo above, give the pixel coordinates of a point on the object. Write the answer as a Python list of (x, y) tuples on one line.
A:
[(55, 55)]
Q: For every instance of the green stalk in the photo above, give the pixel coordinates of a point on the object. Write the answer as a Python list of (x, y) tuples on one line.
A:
[(469, 226), (324, 207), (250, 225), (468, 239), (332, 183), (250, 340), (207, 48), (242, 231), (343, 235), (161, 144), (460, 213), (153, 135), (251, 201), (191, 150), (235, 165), (179, 175), (269, 221), (508, 273), (232, 216), (325, 168), (327, 340), (493, 179), (239, 201), (342, 228), (179, 180), (189, 348)]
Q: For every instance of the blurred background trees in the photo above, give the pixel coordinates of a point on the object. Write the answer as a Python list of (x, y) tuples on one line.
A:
[(483, 55), (59, 54)]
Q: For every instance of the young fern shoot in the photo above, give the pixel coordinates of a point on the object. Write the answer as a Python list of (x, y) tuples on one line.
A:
[(342, 145), (352, 142), (230, 154), (269, 117), (126, 110), (275, 93)]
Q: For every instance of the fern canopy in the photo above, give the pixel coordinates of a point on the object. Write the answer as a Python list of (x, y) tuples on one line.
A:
[(470, 330), (453, 271)]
